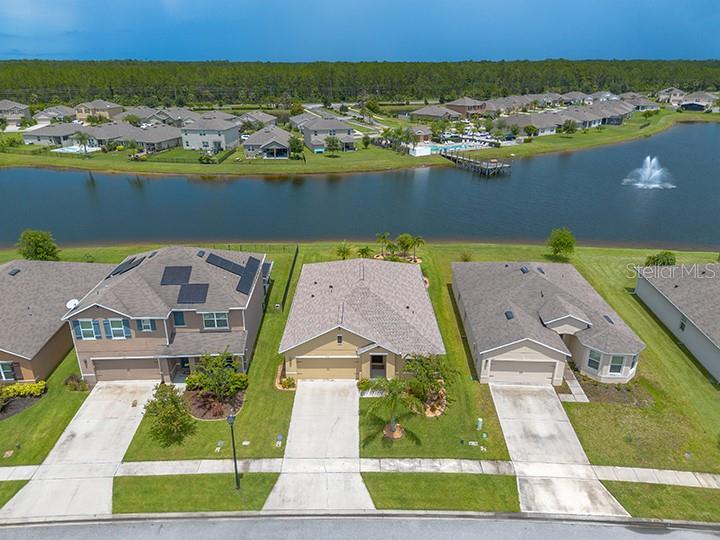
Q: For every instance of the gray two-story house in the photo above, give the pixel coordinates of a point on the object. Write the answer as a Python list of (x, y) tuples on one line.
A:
[(315, 133), (156, 313)]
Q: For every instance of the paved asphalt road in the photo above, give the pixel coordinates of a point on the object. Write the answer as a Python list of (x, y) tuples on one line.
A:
[(366, 528)]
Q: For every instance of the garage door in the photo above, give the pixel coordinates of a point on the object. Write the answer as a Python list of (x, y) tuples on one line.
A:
[(327, 368), (127, 370), (522, 371)]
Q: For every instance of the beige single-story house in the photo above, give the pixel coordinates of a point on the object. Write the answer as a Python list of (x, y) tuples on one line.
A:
[(686, 299), (359, 318), (152, 316), (57, 113), (524, 322), (33, 299)]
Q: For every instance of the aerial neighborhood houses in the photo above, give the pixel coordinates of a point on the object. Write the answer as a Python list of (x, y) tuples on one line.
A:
[(149, 318), (13, 113)]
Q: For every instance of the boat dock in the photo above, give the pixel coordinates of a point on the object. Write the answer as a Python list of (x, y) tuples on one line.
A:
[(490, 167)]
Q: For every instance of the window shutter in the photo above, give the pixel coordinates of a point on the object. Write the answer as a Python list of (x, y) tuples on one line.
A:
[(152, 324), (108, 330), (139, 325), (76, 329), (17, 371), (126, 327)]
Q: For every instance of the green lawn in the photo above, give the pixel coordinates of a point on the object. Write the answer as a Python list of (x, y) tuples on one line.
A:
[(667, 502), (370, 159), (190, 493), (437, 491), (631, 129), (177, 155), (8, 489), (37, 428)]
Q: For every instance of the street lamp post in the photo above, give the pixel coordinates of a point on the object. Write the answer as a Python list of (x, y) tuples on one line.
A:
[(231, 421)]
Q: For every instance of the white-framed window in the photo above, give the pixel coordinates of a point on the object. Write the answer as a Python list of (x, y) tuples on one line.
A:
[(213, 321), (616, 364), (594, 360), (86, 329), (145, 325), (7, 373), (117, 330)]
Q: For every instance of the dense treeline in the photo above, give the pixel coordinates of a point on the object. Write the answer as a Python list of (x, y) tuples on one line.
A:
[(154, 83)]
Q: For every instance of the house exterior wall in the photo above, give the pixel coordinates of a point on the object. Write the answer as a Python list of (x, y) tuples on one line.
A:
[(253, 315), (82, 113), (197, 139), (48, 140), (702, 348), (581, 357)]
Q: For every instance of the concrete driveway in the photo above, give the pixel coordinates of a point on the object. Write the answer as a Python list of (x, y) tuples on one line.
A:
[(76, 477), (321, 468), (553, 471)]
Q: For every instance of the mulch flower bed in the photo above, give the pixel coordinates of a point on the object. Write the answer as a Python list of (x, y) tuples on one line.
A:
[(630, 393), (17, 405), (206, 407)]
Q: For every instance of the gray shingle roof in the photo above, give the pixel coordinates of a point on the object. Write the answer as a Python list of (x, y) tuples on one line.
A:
[(694, 293), (141, 111), (57, 111), (488, 290), (465, 102), (268, 135), (436, 111), (326, 124), (99, 104), (7, 104), (199, 343), (257, 116), (384, 302), (32, 302), (138, 293), (301, 119)]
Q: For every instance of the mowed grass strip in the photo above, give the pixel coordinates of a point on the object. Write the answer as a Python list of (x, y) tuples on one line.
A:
[(667, 502), (32, 433), (191, 493), (8, 489), (443, 491)]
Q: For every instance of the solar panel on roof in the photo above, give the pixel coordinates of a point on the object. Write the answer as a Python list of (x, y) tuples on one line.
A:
[(176, 275), (152, 254), (121, 267), (248, 277), (225, 264), (193, 293), (132, 264)]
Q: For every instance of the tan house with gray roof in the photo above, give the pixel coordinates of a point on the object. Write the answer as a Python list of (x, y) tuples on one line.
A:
[(33, 299), (357, 319), (13, 112), (156, 313), (524, 321), (98, 108)]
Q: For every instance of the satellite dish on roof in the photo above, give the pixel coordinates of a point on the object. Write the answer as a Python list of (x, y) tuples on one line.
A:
[(72, 304)]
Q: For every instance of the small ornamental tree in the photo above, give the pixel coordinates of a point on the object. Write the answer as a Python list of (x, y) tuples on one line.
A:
[(429, 375), (382, 239), (530, 130), (38, 246), (332, 144), (343, 250), (296, 108), (569, 127), (366, 141), (3, 124), (664, 258), (133, 120), (217, 375), (364, 252), (405, 243), (561, 242), (396, 397), (170, 420), (296, 145)]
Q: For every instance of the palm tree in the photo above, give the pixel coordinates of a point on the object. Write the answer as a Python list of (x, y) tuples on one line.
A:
[(382, 239), (81, 139), (343, 250), (417, 241), (364, 252), (395, 398)]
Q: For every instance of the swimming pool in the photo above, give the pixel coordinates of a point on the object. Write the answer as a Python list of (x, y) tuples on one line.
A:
[(75, 149)]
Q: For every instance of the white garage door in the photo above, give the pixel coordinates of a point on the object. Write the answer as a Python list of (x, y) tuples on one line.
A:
[(327, 368), (522, 371)]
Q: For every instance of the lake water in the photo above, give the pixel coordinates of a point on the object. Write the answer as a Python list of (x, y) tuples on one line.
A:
[(582, 190)]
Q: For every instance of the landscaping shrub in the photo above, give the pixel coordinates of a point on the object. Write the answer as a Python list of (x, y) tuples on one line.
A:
[(664, 258), (364, 385), (287, 383), (218, 376), (466, 256), (170, 420), (37, 245), (15, 390), (74, 383)]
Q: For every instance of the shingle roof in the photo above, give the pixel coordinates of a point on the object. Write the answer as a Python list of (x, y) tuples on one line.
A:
[(99, 104), (267, 135), (488, 290), (7, 104), (300, 119), (326, 124), (138, 293), (465, 102), (436, 111), (384, 302), (257, 116), (696, 293), (141, 111), (213, 121), (32, 302), (57, 111)]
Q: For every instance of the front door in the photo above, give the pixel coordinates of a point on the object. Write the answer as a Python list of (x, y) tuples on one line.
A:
[(377, 366)]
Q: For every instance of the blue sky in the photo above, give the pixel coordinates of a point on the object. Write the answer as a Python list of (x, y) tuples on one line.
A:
[(305, 30)]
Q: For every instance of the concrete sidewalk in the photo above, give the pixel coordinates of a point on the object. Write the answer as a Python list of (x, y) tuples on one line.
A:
[(321, 469), (77, 476)]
